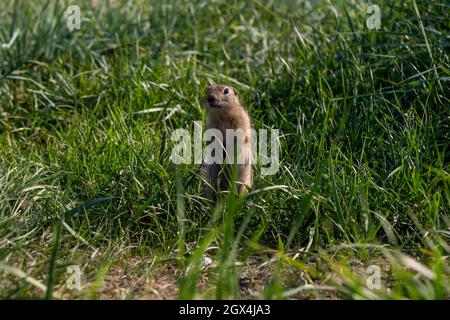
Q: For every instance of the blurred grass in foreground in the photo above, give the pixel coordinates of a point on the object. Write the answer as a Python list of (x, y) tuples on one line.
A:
[(85, 125)]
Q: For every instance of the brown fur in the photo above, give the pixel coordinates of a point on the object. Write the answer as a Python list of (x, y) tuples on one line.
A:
[(225, 111)]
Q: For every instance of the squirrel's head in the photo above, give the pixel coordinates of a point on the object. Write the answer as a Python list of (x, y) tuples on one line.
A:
[(221, 97)]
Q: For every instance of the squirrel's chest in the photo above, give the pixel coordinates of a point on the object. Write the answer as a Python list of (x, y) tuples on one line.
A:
[(222, 124)]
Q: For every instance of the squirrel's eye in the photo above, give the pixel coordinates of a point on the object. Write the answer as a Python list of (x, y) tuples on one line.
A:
[(226, 91)]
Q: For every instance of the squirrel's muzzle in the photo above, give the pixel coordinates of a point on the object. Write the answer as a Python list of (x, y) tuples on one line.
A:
[(211, 99)]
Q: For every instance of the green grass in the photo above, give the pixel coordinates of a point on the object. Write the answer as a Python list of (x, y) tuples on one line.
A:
[(86, 177)]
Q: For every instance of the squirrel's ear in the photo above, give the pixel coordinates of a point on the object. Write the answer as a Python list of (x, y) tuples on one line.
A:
[(235, 92)]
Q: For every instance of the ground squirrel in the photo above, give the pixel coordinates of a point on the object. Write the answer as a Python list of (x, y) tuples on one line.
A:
[(224, 111)]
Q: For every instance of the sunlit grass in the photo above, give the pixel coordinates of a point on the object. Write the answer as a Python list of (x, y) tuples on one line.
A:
[(86, 177)]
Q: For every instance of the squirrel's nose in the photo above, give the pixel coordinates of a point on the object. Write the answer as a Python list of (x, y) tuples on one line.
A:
[(211, 99)]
